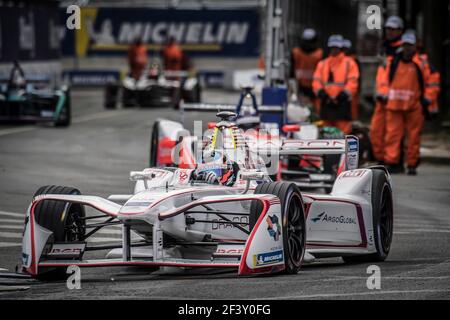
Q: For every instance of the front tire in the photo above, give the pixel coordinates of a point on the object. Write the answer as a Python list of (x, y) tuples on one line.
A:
[(383, 219), (65, 117), (293, 220), (64, 219)]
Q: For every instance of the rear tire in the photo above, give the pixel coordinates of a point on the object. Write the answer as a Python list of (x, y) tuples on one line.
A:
[(63, 219), (111, 95), (293, 220), (383, 219)]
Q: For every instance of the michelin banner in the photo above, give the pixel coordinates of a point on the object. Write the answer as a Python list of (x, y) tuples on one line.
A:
[(110, 31)]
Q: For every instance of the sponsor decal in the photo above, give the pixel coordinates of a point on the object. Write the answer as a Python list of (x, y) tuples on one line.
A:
[(47, 113), (157, 173), (218, 224), (324, 217), (110, 31), (222, 251), (352, 145), (273, 227), (71, 250), (91, 77), (25, 258), (354, 174), (262, 259), (183, 176), (318, 217)]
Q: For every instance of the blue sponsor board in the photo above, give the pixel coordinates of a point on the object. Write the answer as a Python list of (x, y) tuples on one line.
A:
[(207, 32), (268, 258), (91, 77)]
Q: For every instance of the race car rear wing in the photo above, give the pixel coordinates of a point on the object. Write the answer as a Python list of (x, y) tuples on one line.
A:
[(348, 147), (268, 114)]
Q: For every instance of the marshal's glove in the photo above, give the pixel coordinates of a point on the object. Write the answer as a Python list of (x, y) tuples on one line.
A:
[(381, 98), (343, 97), (322, 95)]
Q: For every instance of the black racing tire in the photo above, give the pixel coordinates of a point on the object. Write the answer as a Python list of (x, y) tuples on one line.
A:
[(383, 219), (129, 98), (57, 216), (65, 117), (293, 224), (198, 94), (111, 96), (63, 219), (154, 140)]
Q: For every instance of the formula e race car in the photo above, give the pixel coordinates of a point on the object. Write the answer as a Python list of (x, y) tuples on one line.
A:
[(31, 99), (154, 89), (225, 213), (307, 170)]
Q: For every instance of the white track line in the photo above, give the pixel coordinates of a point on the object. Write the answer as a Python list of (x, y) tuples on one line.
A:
[(13, 221), (415, 231), (12, 214), (5, 132), (9, 244), (20, 228), (11, 227), (82, 119), (10, 235), (357, 294), (17, 235), (100, 115)]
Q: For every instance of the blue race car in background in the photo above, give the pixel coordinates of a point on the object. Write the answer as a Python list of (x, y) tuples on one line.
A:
[(32, 99)]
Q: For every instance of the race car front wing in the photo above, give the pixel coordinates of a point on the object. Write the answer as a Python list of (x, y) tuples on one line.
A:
[(259, 253)]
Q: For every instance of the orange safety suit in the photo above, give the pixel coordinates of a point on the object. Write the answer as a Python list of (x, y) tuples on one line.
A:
[(378, 121), (433, 86), (434, 89), (261, 64), (336, 75), (173, 57), (137, 59), (355, 100), (404, 111), (304, 65)]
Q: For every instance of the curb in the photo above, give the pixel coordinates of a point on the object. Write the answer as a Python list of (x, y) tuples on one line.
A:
[(435, 160)]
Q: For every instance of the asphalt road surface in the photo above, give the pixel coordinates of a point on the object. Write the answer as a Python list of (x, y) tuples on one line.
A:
[(96, 154)]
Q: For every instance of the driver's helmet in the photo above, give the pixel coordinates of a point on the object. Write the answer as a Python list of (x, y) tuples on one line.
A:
[(332, 133), (248, 122), (17, 80), (154, 71)]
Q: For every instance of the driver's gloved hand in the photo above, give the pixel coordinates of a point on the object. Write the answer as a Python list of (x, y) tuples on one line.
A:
[(211, 178)]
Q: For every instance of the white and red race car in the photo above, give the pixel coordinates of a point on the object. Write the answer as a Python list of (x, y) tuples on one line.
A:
[(263, 126), (225, 213)]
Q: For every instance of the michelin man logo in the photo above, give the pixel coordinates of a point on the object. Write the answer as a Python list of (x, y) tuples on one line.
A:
[(273, 227)]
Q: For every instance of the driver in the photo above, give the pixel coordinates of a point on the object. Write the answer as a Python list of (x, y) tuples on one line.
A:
[(16, 77), (216, 173)]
